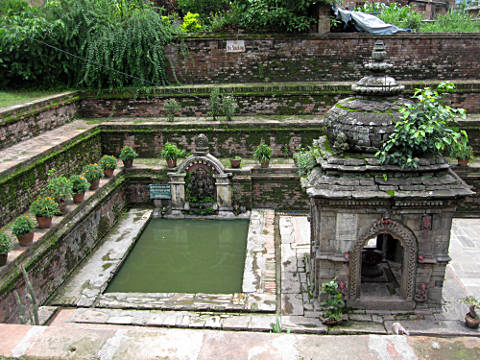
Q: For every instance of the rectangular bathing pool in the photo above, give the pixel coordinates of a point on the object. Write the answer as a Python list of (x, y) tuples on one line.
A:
[(185, 256)]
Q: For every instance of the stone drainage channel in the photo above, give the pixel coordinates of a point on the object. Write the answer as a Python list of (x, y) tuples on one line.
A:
[(262, 302)]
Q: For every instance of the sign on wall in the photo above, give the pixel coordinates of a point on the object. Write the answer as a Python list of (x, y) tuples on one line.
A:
[(234, 46), (160, 191)]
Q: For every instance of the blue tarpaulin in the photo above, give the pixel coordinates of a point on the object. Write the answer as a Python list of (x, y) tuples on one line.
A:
[(366, 23)]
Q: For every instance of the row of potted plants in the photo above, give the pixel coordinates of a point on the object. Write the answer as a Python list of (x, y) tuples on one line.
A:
[(54, 199)]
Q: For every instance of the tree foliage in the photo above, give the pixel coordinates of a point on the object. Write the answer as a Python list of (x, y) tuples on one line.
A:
[(427, 127)]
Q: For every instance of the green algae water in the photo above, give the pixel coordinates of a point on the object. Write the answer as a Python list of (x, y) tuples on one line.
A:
[(185, 256)]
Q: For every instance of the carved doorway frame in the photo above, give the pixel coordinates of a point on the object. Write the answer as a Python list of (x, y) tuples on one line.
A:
[(409, 271)]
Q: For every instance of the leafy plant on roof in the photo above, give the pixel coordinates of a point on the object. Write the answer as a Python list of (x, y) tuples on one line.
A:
[(428, 127)]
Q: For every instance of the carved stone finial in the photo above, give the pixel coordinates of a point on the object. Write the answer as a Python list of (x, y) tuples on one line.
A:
[(378, 82), (201, 145)]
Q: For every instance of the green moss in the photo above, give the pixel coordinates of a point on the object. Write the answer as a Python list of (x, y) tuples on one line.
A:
[(390, 192)]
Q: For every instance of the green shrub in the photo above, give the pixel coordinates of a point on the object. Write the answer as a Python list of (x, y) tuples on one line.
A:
[(334, 305), (305, 160), (127, 153), (427, 127), (92, 172), (80, 184), (191, 23), (215, 102), (171, 107), (402, 16), (454, 21), (44, 207), (273, 15), (229, 106), (103, 44), (171, 152), (23, 225), (108, 162), (5, 243), (203, 7)]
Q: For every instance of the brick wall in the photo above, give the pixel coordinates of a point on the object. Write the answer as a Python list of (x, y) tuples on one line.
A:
[(330, 57), (254, 99), (243, 138), (50, 263), (22, 122), (277, 188)]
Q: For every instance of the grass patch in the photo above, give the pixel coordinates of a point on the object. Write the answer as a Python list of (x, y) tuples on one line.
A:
[(13, 97)]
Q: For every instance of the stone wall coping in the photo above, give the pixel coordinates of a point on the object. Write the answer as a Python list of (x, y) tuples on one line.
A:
[(339, 36), (34, 105)]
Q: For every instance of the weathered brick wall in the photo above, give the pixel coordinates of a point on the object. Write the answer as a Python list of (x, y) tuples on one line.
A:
[(20, 185), (224, 138), (278, 192), (253, 99), (255, 188), (329, 57), (51, 262), (22, 122)]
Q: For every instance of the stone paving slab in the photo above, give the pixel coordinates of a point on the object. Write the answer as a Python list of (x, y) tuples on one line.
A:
[(132, 343), (92, 277)]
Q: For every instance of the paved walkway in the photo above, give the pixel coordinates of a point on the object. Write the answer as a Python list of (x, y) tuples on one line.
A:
[(131, 343)]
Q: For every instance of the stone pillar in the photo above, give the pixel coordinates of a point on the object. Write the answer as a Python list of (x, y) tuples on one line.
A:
[(177, 188), (224, 194)]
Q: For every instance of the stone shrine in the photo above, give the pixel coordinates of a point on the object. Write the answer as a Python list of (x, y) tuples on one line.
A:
[(201, 179), (383, 231)]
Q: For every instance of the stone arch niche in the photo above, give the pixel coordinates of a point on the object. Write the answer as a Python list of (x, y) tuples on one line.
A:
[(409, 266), (202, 163)]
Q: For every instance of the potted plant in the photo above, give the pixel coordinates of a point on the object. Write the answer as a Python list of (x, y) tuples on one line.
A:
[(463, 153), (171, 107), (93, 173), (235, 160), (171, 153), (263, 154), (127, 154), (80, 185), (333, 306), (22, 228), (472, 319), (5, 246), (61, 189), (44, 208), (108, 164)]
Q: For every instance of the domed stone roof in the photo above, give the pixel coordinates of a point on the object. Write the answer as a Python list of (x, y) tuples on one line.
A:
[(363, 122)]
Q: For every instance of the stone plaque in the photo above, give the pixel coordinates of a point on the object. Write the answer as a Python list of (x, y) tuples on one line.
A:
[(160, 191), (347, 227), (235, 46)]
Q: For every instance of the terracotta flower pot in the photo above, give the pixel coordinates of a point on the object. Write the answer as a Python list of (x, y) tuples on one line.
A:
[(462, 162), (172, 163), (25, 239), (235, 164), (62, 206), (78, 198), (108, 172), (94, 185), (44, 222), (471, 322), (3, 259), (128, 163), (265, 164), (328, 321)]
